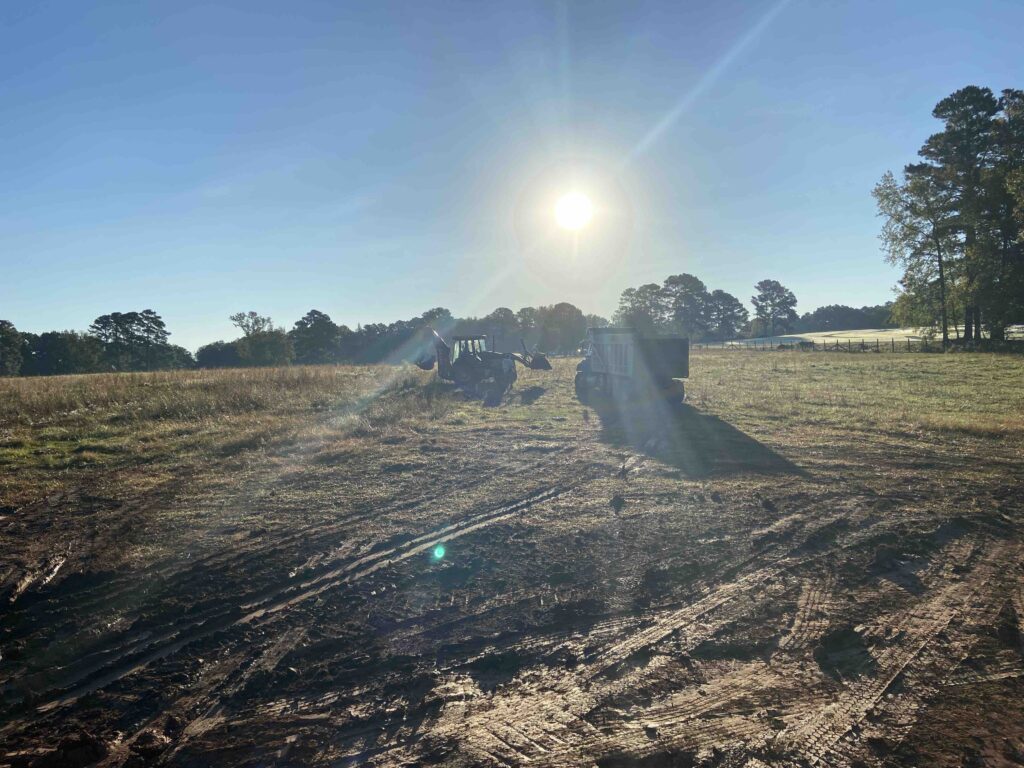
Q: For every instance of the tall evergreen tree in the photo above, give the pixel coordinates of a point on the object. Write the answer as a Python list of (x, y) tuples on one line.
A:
[(686, 298), (775, 306), (725, 315), (10, 349), (315, 339), (955, 222)]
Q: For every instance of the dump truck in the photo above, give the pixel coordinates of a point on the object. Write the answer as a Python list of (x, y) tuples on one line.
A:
[(621, 363)]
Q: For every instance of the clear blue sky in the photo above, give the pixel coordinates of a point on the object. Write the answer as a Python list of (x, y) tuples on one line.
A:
[(366, 159)]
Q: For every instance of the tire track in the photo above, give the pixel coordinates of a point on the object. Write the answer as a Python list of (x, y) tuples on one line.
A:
[(558, 711), (145, 651), (812, 614), (570, 697), (816, 737)]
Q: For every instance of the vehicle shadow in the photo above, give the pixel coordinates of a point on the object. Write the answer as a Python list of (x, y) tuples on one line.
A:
[(699, 444), (529, 395)]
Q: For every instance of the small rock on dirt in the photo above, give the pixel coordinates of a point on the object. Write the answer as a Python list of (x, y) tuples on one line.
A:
[(149, 744), (617, 503)]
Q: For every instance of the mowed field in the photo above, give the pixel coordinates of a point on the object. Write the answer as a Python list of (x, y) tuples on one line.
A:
[(819, 559)]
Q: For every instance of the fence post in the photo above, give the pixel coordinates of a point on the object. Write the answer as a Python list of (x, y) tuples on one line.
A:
[(908, 343), (893, 343), (849, 345)]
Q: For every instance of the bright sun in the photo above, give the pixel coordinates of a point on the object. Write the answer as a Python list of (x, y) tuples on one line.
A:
[(573, 211)]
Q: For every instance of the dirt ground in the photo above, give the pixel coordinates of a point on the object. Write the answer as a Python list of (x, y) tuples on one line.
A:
[(538, 583)]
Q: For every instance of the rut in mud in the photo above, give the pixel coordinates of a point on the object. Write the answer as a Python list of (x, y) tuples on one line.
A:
[(656, 588)]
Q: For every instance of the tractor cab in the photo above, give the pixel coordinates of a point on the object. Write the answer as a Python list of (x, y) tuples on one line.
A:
[(468, 345)]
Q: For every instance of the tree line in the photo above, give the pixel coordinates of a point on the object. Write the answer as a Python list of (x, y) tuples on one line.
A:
[(954, 221), (119, 341), (139, 341), (683, 305)]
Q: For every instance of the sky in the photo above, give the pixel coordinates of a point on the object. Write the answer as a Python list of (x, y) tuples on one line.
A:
[(373, 160)]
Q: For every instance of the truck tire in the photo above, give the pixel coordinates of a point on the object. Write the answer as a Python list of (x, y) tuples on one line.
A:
[(582, 388)]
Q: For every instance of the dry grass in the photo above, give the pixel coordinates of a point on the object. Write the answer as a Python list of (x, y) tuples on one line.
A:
[(55, 430), (970, 394), (183, 395), (59, 432)]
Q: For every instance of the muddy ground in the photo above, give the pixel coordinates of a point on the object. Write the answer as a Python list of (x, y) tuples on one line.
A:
[(646, 586)]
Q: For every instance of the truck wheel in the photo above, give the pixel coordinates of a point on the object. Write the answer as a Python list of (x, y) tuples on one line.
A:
[(582, 388)]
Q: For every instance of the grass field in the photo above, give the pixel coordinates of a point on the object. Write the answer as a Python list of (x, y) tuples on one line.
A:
[(818, 557)]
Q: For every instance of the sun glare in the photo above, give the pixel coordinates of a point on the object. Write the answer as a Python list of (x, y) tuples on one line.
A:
[(573, 211)]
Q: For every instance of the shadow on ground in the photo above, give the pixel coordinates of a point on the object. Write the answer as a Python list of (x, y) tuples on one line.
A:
[(530, 395), (698, 444)]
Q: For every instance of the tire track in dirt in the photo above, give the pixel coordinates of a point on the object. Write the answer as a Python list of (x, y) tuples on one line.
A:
[(233, 558), (553, 713), (812, 614), (611, 629), (938, 666), (677, 722), (228, 684), (569, 697), (813, 739), (195, 577), (100, 675), (369, 564)]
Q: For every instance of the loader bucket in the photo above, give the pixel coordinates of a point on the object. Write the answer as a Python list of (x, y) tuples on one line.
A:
[(539, 362)]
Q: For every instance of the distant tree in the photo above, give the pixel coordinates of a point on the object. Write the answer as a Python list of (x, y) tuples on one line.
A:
[(643, 309), (133, 341), (526, 319), (10, 349), (757, 328), (878, 316), (265, 348), (348, 341), (958, 160), (562, 327), (838, 317), (250, 323), (725, 316), (438, 318), (60, 353), (775, 305), (218, 354), (315, 339), (596, 321), (503, 327), (178, 357), (686, 297)]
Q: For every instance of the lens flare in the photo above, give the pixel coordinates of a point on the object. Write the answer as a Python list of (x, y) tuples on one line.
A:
[(439, 552)]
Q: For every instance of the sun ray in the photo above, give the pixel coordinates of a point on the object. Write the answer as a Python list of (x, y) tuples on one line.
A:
[(706, 81)]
